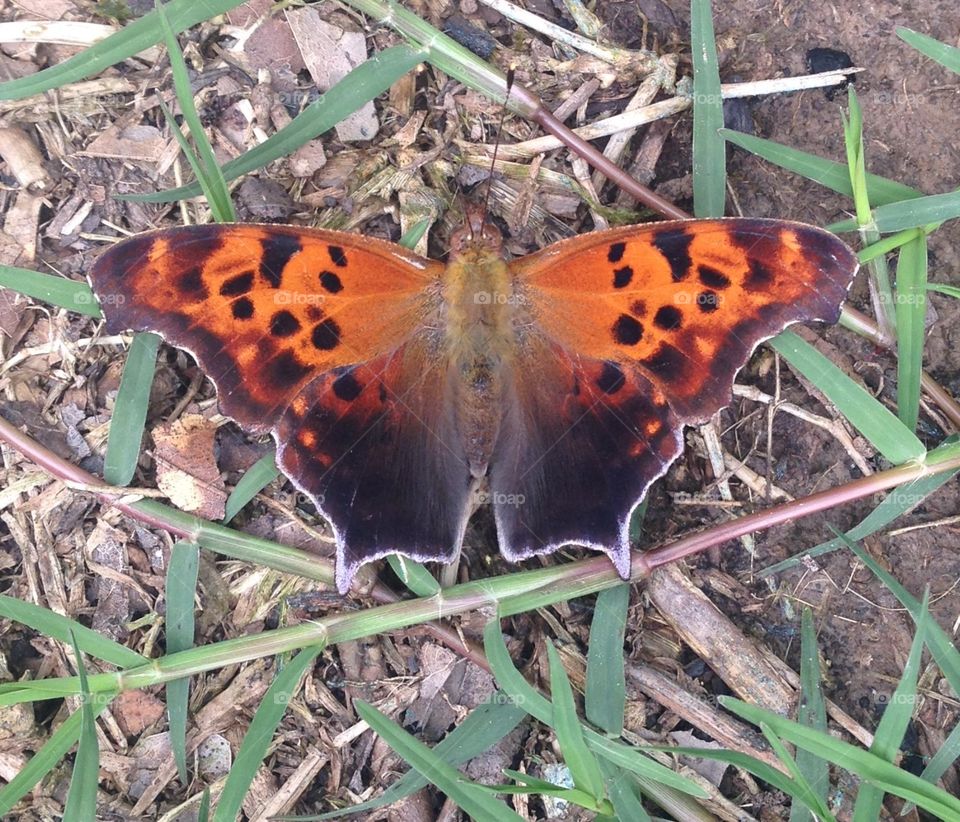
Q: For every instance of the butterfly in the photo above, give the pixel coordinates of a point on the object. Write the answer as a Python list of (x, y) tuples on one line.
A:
[(398, 387)]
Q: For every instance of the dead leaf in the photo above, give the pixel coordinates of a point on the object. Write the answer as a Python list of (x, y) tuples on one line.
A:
[(186, 469), (136, 711)]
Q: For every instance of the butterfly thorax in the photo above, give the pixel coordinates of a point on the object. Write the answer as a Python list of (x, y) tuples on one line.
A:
[(481, 305)]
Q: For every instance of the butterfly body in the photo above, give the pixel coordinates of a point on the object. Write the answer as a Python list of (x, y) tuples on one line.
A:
[(394, 385), (480, 335)]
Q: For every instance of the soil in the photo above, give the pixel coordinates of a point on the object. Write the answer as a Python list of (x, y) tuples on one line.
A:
[(911, 109)]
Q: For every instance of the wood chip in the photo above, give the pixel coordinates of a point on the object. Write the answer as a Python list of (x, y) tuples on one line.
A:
[(330, 53), (141, 143)]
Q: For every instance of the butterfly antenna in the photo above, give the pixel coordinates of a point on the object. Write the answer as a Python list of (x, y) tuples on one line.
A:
[(496, 148)]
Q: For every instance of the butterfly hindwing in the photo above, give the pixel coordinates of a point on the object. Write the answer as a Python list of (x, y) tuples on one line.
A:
[(376, 446), (580, 443)]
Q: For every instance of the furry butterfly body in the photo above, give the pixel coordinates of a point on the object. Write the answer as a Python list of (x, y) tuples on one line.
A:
[(396, 386)]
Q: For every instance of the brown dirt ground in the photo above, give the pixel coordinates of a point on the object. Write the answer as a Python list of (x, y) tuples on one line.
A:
[(912, 115)]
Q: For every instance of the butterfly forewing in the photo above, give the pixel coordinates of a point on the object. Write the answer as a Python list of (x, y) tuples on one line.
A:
[(686, 302), (265, 309)]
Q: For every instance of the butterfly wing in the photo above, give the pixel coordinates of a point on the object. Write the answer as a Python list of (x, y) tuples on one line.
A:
[(376, 446), (265, 309), (634, 333), (321, 338)]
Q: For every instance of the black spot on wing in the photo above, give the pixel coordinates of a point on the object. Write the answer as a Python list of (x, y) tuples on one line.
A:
[(337, 255), (708, 301), (238, 285), (674, 245), (190, 283), (758, 277), (622, 277), (712, 278), (611, 378), (326, 335), (242, 309), (277, 252), (284, 324), (285, 370), (615, 252), (347, 387), (668, 317), (667, 362), (627, 330), (330, 282)]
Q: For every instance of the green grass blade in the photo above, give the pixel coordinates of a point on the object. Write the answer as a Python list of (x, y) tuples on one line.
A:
[(51, 289), (414, 575), (483, 728), (257, 477), (566, 724), (133, 38), (880, 247), (946, 755), (181, 590), (82, 797), (606, 689), (896, 717), (47, 758), (812, 712), (947, 56), (203, 163), (59, 627), (911, 312), (774, 776), (856, 161), (709, 160), (884, 431), (866, 765), (896, 502), (256, 740), (828, 173), (474, 801), (920, 212), (130, 410), (623, 794), (949, 290), (535, 704), (365, 82)]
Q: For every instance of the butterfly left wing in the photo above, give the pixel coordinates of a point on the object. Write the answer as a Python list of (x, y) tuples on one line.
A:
[(633, 333), (328, 341)]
